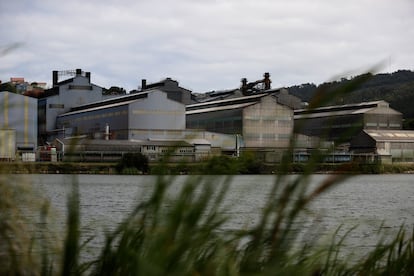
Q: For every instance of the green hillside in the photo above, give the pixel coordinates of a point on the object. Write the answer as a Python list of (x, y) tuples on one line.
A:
[(396, 88)]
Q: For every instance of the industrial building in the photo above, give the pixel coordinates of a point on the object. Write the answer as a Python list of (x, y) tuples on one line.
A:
[(79, 123), (147, 120), (126, 116), (259, 122), (63, 96), (93, 150), (18, 125), (388, 145), (246, 88), (343, 122), (171, 87)]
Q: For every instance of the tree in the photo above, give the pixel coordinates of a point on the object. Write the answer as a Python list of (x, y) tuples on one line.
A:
[(135, 160), (7, 86), (114, 90)]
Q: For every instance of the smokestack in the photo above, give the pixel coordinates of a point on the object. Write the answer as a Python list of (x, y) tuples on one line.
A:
[(243, 86), (54, 78), (88, 76), (143, 84), (267, 81)]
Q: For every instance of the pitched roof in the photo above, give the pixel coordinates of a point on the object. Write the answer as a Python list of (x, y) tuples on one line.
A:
[(391, 135)]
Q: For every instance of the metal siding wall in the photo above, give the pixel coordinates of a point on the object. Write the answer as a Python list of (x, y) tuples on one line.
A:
[(226, 121), (20, 114), (95, 121), (7, 144), (157, 112), (70, 98), (267, 124), (330, 127)]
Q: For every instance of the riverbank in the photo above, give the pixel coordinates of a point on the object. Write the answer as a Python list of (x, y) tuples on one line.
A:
[(195, 168)]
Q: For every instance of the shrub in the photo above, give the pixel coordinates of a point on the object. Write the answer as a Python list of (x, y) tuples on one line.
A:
[(130, 162), (219, 165)]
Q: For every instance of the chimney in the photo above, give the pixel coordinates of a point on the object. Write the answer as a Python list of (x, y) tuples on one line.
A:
[(78, 72), (143, 84), (88, 76), (54, 78), (267, 81)]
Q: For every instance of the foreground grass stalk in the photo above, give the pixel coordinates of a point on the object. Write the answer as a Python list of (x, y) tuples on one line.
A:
[(184, 233), (71, 245)]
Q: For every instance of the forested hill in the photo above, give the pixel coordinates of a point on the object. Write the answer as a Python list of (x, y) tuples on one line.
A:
[(396, 88)]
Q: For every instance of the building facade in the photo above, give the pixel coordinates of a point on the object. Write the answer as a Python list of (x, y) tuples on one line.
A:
[(342, 122), (18, 116), (124, 116), (171, 87), (63, 96), (259, 119), (389, 145)]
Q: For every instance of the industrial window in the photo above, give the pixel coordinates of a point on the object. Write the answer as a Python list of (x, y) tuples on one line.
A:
[(56, 106), (80, 87)]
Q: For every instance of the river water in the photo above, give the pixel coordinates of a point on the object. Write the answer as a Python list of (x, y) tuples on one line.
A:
[(369, 202)]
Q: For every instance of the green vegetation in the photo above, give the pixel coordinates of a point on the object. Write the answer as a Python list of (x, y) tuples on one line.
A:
[(133, 163), (247, 163)]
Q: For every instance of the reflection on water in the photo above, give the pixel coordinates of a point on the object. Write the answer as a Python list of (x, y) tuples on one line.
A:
[(369, 201)]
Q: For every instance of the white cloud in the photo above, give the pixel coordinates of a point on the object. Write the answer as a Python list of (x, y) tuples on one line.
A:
[(205, 45)]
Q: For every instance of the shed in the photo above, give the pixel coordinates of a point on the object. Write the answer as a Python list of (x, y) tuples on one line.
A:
[(397, 144)]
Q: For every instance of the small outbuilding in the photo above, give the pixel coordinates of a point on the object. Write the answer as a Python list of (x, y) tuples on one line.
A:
[(389, 145)]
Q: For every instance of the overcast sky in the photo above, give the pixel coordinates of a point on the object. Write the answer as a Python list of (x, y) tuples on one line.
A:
[(204, 44)]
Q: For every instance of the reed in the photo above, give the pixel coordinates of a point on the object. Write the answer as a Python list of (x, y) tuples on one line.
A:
[(185, 234)]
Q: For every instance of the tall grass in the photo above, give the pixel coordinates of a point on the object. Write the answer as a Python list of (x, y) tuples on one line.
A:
[(185, 234)]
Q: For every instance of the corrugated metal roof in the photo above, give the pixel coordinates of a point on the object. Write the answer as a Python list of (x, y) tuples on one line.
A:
[(129, 143), (332, 113), (220, 102), (344, 106), (219, 108), (119, 99), (95, 108), (391, 135)]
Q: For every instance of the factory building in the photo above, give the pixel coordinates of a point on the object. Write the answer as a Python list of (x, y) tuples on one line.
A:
[(171, 87), (389, 145), (63, 96), (125, 116), (147, 120), (94, 150), (18, 124), (259, 119), (342, 122)]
